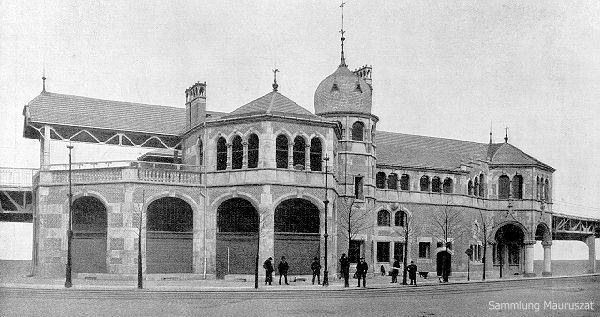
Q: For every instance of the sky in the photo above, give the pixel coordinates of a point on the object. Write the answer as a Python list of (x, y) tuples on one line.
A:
[(451, 69)]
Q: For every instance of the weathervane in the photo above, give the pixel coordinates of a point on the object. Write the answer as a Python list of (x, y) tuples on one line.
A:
[(275, 71), (343, 60), (506, 135)]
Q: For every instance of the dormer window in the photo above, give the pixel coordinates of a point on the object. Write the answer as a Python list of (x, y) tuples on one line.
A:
[(334, 87), (358, 88)]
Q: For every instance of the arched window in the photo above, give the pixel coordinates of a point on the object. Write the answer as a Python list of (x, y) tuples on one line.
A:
[(470, 188), (547, 190), (542, 189), (383, 218), (503, 187), (253, 151), (392, 181), (436, 185), (405, 182), (299, 153), (221, 154), (237, 215), (424, 182), (476, 187), (358, 131), (170, 214), (538, 188), (200, 152), (517, 183), (316, 154), (380, 180), (399, 218), (481, 185), (237, 152), (448, 185), (281, 151), (296, 215)]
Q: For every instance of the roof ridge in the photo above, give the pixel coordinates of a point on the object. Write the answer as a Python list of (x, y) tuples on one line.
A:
[(433, 137), (273, 95), (107, 100)]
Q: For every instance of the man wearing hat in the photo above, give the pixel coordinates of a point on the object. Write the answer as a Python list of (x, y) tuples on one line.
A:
[(361, 271), (268, 266), (316, 269), (283, 270)]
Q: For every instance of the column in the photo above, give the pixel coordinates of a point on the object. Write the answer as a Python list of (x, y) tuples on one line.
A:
[(591, 243), (291, 155), (229, 155), (45, 147), (307, 158), (547, 259), (245, 155), (529, 259)]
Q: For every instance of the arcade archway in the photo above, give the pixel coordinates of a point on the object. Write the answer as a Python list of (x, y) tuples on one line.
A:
[(169, 243), (297, 234), (89, 235), (508, 252), (237, 237)]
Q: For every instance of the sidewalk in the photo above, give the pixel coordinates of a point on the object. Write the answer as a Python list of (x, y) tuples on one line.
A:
[(376, 282)]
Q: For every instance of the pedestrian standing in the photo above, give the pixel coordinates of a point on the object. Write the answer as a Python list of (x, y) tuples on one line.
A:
[(345, 269), (412, 273), (316, 269), (283, 270), (395, 270), (268, 266), (361, 271)]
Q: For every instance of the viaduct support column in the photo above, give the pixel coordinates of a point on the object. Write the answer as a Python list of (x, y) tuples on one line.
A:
[(547, 259), (529, 259), (591, 243)]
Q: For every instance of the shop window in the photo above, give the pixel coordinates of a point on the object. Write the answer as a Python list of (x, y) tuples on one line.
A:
[(383, 251), (424, 250)]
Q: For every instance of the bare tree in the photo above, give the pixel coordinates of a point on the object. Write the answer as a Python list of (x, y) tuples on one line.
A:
[(352, 220), (261, 225), (138, 211), (410, 229), (487, 223), (448, 223)]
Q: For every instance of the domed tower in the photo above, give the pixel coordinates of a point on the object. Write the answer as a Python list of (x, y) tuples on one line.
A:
[(346, 97)]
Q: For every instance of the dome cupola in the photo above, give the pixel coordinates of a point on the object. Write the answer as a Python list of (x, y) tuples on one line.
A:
[(343, 91)]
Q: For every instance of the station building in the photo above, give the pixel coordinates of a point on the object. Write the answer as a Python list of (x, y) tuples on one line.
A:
[(268, 178)]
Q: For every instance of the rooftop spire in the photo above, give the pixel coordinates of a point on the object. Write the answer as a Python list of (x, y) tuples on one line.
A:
[(490, 132), (275, 71), (343, 60), (506, 135)]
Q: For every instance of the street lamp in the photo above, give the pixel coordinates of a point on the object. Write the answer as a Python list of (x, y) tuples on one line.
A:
[(68, 282), (326, 202)]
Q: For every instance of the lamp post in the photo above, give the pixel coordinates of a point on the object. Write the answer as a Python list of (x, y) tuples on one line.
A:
[(326, 202), (68, 282)]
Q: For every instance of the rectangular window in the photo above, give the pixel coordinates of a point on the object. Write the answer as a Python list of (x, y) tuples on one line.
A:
[(383, 251), (399, 251), (358, 187), (424, 250), (355, 250)]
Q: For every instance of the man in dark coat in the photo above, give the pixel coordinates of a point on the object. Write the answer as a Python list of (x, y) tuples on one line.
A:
[(412, 273), (268, 266), (316, 269), (345, 269), (283, 269), (395, 270), (361, 271)]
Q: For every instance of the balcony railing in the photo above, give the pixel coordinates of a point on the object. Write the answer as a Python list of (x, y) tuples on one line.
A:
[(114, 171)]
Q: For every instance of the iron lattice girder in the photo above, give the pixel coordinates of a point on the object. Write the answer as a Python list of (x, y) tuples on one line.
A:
[(569, 226), (16, 202), (111, 137)]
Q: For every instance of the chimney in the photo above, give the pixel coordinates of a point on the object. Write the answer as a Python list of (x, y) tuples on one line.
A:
[(195, 104)]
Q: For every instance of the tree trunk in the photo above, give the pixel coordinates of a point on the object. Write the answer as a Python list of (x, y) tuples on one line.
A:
[(256, 261), (405, 252)]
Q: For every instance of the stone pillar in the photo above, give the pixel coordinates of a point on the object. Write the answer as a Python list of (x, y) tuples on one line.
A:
[(266, 230), (245, 155), (229, 155), (591, 243), (547, 259), (291, 155), (529, 259), (307, 157)]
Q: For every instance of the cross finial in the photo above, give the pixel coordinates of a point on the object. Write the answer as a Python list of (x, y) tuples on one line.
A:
[(343, 59), (275, 71), (506, 135)]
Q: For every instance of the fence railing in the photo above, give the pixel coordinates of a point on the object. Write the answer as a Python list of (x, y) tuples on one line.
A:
[(16, 177)]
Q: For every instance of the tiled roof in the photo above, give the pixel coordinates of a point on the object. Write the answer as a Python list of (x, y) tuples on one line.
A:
[(398, 149), (343, 91), (272, 103), (80, 111)]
